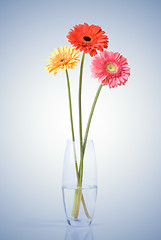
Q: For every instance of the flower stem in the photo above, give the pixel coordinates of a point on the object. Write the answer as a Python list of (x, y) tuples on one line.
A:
[(90, 117), (70, 106), (80, 117), (71, 121), (78, 192), (73, 138)]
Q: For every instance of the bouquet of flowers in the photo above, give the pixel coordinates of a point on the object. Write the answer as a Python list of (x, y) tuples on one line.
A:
[(110, 68)]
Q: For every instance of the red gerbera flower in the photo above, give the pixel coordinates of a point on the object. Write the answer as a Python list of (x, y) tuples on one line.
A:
[(88, 38)]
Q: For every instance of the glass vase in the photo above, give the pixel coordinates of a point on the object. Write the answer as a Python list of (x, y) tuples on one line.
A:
[(79, 198)]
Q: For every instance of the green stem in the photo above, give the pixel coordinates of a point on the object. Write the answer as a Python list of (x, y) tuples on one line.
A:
[(77, 202), (70, 106), (90, 117), (78, 192), (80, 118), (71, 120)]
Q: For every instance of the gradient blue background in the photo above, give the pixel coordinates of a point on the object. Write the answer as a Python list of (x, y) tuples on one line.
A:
[(34, 120)]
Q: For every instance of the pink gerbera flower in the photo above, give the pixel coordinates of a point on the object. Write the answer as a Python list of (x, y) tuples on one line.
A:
[(110, 68)]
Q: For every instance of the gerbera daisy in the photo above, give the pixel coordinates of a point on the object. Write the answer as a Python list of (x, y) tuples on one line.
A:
[(88, 38), (63, 58), (110, 68)]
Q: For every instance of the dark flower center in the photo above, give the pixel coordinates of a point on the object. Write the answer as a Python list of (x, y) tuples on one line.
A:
[(86, 38), (62, 60)]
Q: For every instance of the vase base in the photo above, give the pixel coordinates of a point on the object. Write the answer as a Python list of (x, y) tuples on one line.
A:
[(79, 223)]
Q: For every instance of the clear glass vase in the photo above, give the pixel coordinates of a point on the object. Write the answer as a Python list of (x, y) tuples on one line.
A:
[(79, 199)]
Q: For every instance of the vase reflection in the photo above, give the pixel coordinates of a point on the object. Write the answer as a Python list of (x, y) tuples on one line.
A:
[(74, 233)]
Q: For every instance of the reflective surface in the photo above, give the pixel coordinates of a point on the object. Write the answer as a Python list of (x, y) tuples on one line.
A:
[(59, 230), (85, 233)]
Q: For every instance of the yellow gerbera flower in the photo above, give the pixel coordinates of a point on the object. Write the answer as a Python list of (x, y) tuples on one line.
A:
[(63, 58)]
